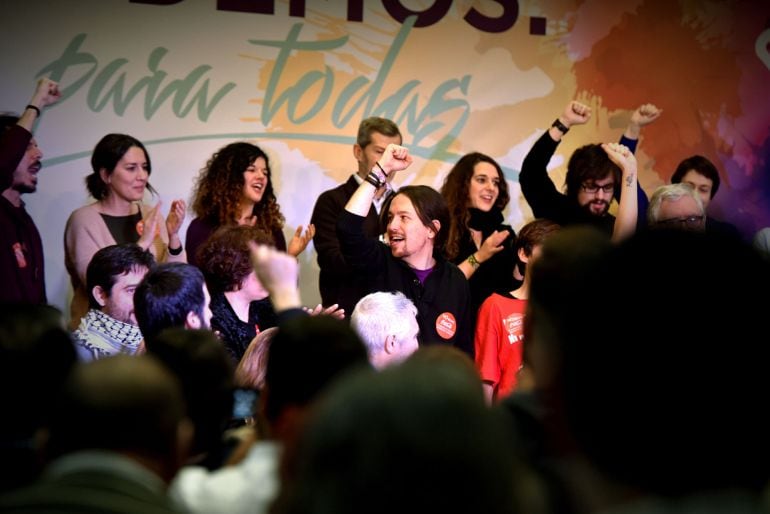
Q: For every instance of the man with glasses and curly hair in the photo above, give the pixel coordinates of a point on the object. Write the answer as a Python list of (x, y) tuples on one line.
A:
[(593, 178)]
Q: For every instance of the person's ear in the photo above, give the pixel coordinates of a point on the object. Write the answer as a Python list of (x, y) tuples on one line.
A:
[(105, 176), (358, 152), (192, 321), (436, 227), (100, 295), (523, 257), (390, 345)]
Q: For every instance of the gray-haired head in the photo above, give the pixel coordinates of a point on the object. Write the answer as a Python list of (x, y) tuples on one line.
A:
[(676, 206), (386, 323)]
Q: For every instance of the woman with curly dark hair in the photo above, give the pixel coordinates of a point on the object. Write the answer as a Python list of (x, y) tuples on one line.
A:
[(240, 304), (478, 243), (235, 189)]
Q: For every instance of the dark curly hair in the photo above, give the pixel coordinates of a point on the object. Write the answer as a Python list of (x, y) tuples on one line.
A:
[(219, 189), (224, 257), (589, 163), (455, 192)]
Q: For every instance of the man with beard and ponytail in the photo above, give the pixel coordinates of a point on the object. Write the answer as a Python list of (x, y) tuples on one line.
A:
[(412, 260), (21, 249), (593, 179)]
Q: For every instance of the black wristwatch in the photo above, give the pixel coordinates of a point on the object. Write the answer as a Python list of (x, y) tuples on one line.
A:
[(560, 126)]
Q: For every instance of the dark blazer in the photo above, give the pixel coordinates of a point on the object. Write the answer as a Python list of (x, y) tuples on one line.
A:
[(337, 282)]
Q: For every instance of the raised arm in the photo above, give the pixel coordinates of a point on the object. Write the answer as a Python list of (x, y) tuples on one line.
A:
[(361, 252), (575, 113), (278, 272), (642, 116), (14, 141), (625, 221), (537, 187), (46, 93), (394, 158)]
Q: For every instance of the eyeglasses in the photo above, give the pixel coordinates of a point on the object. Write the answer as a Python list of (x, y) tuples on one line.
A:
[(688, 222), (593, 188)]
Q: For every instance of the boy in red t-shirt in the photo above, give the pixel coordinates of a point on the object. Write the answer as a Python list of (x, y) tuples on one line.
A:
[(500, 324)]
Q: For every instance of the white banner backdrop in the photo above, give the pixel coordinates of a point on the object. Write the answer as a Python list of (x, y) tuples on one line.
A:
[(191, 76)]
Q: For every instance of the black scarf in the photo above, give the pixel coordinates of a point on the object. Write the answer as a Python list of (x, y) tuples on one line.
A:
[(485, 222)]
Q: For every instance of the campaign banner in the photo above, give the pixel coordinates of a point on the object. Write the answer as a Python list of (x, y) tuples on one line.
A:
[(295, 77)]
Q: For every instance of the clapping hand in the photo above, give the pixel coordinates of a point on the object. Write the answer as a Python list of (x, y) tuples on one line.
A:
[(175, 217), (300, 241), (150, 226), (333, 311)]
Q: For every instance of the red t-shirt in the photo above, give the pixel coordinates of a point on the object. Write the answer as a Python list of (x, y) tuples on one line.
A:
[(499, 342)]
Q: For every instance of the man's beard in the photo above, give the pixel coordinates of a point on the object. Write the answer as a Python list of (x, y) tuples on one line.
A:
[(24, 188), (590, 212)]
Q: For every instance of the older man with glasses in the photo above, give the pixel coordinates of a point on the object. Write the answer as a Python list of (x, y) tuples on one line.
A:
[(593, 177), (676, 206)]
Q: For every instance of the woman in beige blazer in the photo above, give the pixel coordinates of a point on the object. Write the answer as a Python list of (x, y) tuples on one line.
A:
[(121, 168)]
